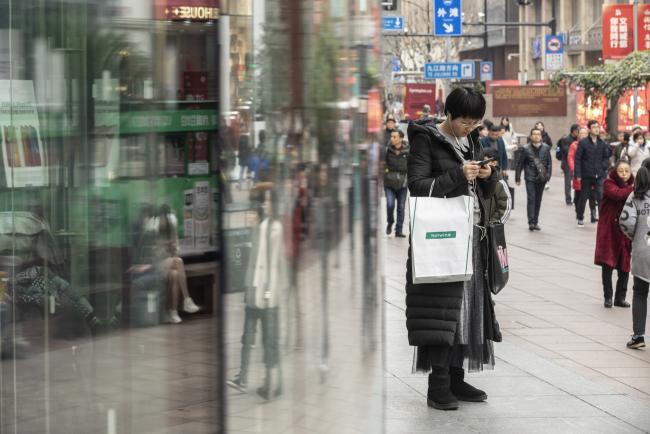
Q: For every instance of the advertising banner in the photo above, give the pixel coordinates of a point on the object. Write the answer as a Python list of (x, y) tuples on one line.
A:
[(186, 10), (417, 95), (618, 29), (626, 109), (527, 101), (23, 159), (590, 108)]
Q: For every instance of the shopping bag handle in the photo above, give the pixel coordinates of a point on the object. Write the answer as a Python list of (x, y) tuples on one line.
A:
[(431, 188)]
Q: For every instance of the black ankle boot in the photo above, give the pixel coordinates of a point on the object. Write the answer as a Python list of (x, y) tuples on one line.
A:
[(462, 390), (439, 395)]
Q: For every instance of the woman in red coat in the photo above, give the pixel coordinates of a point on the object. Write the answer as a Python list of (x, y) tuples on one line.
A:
[(613, 248)]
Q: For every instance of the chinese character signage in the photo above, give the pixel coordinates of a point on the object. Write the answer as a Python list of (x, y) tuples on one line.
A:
[(417, 95), (644, 27), (458, 70), (618, 30), (447, 18)]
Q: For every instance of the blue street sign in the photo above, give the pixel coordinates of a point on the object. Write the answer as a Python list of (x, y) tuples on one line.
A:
[(553, 52), (486, 71), (393, 23), (447, 21), (458, 70), (395, 65)]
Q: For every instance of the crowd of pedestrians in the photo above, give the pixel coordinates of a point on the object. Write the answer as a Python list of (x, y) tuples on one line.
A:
[(462, 154)]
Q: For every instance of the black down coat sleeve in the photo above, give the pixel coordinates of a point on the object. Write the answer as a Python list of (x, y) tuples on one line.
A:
[(424, 168)]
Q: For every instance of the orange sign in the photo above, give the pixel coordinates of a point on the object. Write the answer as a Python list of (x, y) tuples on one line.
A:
[(374, 111), (626, 109)]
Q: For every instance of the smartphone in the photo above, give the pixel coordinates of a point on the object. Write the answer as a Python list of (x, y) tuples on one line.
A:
[(486, 161)]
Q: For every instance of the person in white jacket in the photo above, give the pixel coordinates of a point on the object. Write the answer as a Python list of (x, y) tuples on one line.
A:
[(510, 139), (636, 152)]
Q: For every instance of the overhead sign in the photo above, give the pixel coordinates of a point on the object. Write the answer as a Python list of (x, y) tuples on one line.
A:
[(395, 64), (458, 70), (529, 101), (553, 53), (487, 71), (393, 23), (447, 18), (187, 10)]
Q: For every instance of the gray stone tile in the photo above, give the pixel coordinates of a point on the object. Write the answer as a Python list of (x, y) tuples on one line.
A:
[(630, 410)]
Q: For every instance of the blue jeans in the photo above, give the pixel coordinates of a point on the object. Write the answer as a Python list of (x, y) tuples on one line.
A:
[(391, 195)]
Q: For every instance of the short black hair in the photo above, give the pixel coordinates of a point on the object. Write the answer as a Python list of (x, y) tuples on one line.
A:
[(535, 129), (574, 127), (481, 127), (626, 137), (463, 102), (495, 128), (592, 122), (636, 136), (488, 123), (399, 132)]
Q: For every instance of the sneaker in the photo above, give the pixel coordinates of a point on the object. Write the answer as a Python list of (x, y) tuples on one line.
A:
[(531, 227), (189, 306), (581, 223), (537, 228), (547, 187), (172, 317), (400, 235), (636, 342), (608, 303), (236, 383), (389, 229)]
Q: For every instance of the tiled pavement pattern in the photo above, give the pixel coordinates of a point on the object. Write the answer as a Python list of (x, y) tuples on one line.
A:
[(563, 366)]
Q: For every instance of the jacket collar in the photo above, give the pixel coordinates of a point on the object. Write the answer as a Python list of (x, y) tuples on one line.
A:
[(429, 127)]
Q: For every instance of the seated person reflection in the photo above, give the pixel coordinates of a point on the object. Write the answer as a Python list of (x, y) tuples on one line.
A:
[(164, 255), (266, 283)]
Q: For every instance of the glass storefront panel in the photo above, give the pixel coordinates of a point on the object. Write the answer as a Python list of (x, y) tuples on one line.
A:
[(188, 194), (109, 207)]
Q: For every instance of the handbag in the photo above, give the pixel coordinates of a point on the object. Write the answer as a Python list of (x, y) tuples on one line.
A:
[(577, 184), (497, 258), (441, 238)]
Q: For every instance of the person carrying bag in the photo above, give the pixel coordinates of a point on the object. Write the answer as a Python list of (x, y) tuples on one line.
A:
[(448, 319)]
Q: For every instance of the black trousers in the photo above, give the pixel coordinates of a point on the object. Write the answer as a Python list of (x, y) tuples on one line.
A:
[(585, 193), (568, 176), (639, 306), (534, 193), (621, 283)]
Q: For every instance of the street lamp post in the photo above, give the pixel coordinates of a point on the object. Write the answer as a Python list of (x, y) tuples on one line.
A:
[(635, 9)]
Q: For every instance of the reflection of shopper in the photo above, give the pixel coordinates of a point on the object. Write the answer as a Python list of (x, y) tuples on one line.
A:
[(266, 281), (165, 257), (635, 223), (244, 156), (395, 182)]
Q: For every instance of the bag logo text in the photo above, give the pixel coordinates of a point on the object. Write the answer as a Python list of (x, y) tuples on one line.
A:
[(440, 235)]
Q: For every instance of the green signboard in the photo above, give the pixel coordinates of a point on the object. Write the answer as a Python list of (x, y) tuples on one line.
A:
[(168, 121), (440, 235)]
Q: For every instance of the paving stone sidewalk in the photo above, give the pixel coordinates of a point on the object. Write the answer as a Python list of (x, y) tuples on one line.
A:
[(563, 366)]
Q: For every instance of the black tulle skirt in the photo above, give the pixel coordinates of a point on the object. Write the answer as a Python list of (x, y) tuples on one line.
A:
[(477, 328)]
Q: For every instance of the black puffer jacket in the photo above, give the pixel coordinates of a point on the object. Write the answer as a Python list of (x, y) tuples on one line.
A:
[(396, 166), (433, 309)]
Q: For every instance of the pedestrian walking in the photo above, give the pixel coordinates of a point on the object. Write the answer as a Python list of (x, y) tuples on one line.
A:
[(620, 146), (535, 161), (390, 126), (635, 223), (494, 140), (396, 160), (545, 136), (452, 324), (509, 137), (577, 187), (613, 248), (637, 151), (591, 163), (562, 154)]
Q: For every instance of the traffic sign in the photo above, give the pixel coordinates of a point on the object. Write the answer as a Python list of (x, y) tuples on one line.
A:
[(554, 53), (395, 64), (393, 23), (487, 71), (458, 70), (447, 18)]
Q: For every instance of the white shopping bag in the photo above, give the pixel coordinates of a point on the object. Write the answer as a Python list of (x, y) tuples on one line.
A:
[(441, 238)]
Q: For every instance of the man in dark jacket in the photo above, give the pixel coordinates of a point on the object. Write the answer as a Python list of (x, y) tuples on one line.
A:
[(395, 182), (494, 140), (536, 162), (592, 161), (562, 153)]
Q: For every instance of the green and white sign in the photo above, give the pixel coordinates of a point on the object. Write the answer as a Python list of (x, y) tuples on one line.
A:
[(168, 121), (440, 235)]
